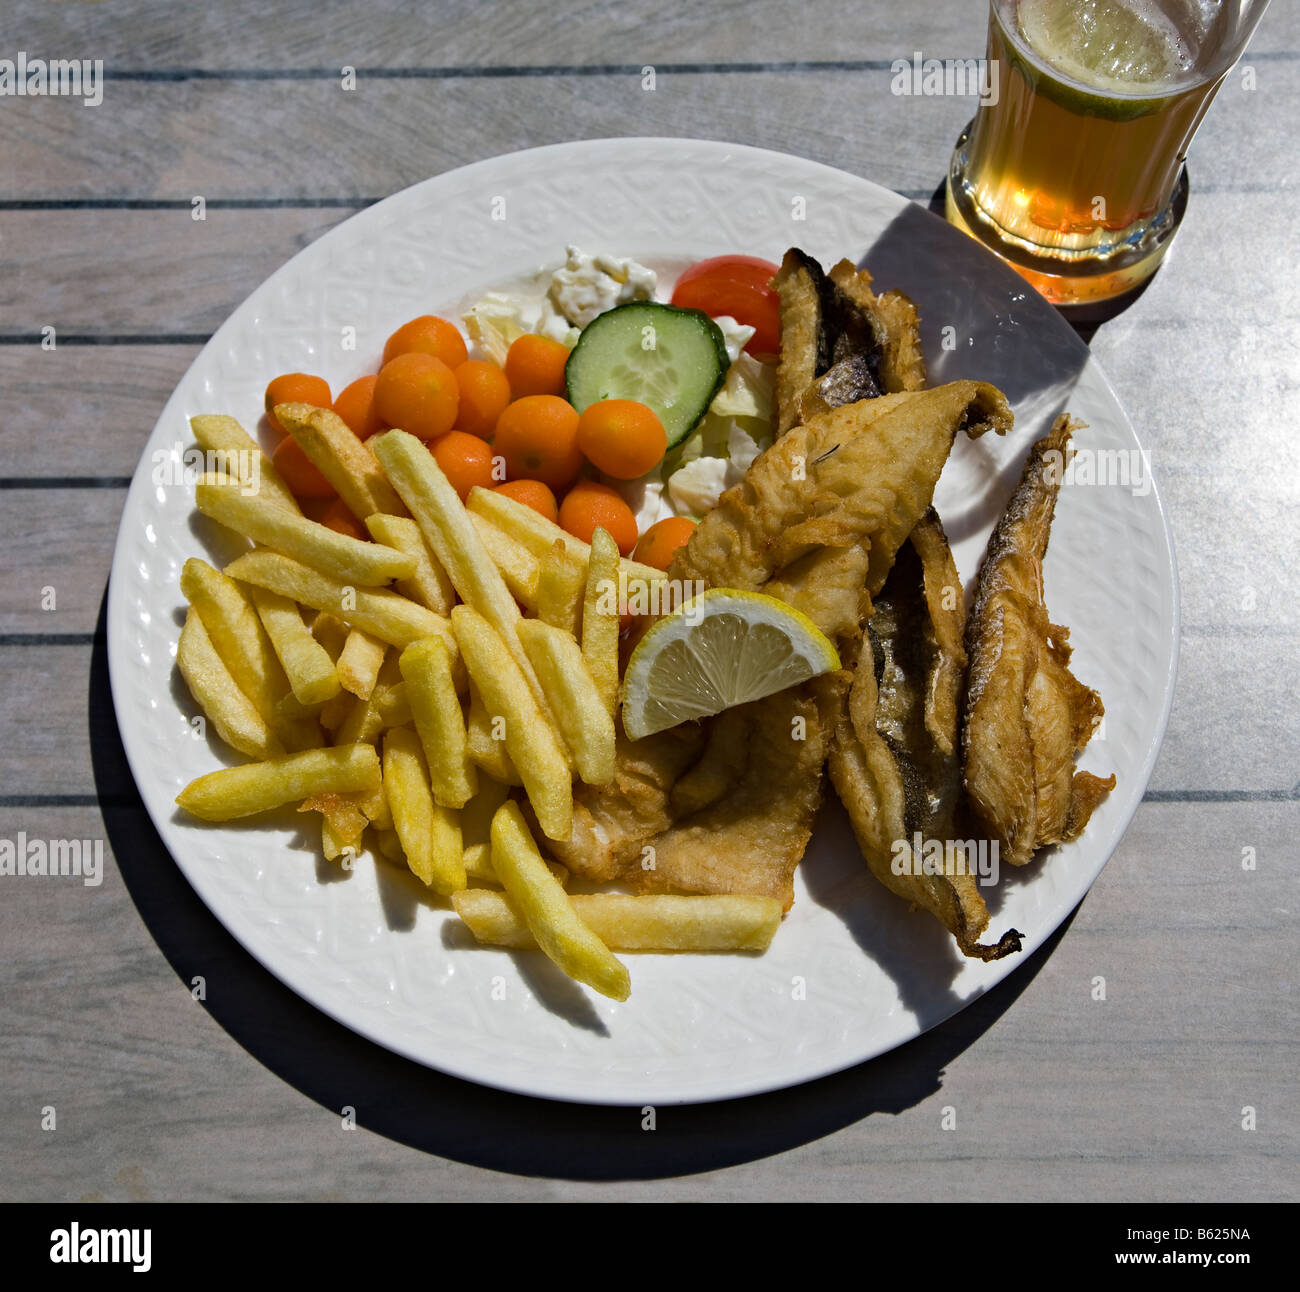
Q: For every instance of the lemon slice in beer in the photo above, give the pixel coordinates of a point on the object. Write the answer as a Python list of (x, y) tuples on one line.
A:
[(1111, 46), (1116, 59), (723, 648)]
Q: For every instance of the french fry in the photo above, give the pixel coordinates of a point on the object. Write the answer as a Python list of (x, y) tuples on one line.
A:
[(362, 725), (518, 566), (530, 740), (626, 923), (305, 661), (229, 710), (439, 722), (251, 467), (445, 524), (476, 828), (389, 845), (359, 663), (485, 737), (429, 584), (377, 611), (345, 461), (343, 822), (524, 525), (374, 807), (430, 834), (235, 792), (547, 909), (584, 721), (334, 713), (265, 521), (539, 535), (333, 845), (331, 632), (560, 586), (243, 645), (394, 705), (600, 618), (365, 719)]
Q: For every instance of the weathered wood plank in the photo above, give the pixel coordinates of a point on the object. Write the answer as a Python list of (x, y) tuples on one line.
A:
[(239, 34), (225, 139), (54, 563), (54, 271), (83, 410), (457, 33), (1136, 1097)]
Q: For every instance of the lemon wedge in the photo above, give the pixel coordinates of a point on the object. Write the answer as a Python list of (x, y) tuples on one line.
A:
[(1106, 45), (723, 648)]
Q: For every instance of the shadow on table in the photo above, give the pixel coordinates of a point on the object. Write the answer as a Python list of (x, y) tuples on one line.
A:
[(457, 1119), (1084, 319)]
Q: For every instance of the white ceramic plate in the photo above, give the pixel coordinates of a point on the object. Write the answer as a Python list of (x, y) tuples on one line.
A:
[(852, 972)]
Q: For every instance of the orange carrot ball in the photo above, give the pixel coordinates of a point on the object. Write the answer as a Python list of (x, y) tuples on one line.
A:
[(534, 494), (535, 365), (300, 473), (465, 460), (622, 438), (356, 406), (538, 438), (338, 517), (428, 335), (590, 505), (296, 388), (484, 394), (659, 544), (418, 393)]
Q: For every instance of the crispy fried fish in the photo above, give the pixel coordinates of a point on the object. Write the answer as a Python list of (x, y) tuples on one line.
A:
[(612, 823), (819, 516), (897, 328), (840, 342), (1027, 717), (727, 810), (894, 758)]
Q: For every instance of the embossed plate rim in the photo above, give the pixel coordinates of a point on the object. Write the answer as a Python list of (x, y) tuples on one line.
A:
[(681, 1037)]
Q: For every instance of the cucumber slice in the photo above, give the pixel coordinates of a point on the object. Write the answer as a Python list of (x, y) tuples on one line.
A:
[(672, 359)]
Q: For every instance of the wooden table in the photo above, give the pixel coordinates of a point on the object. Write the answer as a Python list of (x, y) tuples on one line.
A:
[(1058, 1096)]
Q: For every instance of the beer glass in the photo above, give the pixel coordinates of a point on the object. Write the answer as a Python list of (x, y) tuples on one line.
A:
[(1073, 168)]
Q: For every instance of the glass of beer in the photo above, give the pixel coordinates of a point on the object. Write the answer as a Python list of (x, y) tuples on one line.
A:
[(1073, 167)]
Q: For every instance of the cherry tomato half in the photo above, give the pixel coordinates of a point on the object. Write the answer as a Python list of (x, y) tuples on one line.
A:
[(739, 286)]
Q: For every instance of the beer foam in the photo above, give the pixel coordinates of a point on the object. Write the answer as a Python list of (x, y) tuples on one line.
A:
[(1119, 46)]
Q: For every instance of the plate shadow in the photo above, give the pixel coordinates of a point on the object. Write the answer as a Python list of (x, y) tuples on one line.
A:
[(457, 1119)]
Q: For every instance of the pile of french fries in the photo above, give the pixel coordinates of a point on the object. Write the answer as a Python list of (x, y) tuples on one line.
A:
[(416, 691)]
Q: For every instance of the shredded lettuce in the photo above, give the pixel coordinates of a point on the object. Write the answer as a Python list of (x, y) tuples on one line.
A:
[(696, 487), (493, 323), (745, 400)]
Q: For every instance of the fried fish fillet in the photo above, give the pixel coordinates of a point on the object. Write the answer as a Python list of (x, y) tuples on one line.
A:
[(1027, 717), (894, 757), (819, 516), (840, 342), (727, 810), (897, 327)]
